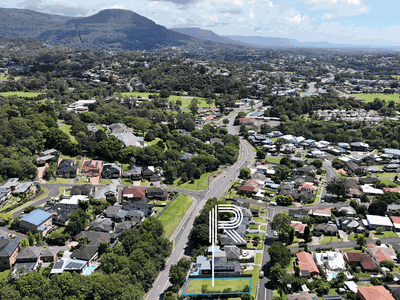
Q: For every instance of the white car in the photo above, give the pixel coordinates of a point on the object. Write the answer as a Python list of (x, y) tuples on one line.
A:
[(275, 233)]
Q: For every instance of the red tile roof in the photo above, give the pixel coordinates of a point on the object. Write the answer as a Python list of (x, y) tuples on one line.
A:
[(362, 259), (374, 293), (321, 211), (306, 262), (134, 192), (298, 227), (393, 190), (246, 120), (382, 253), (395, 220)]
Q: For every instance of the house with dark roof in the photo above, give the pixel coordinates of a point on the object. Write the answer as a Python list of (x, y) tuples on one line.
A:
[(352, 167), (305, 170), (49, 254), (97, 237), (325, 229), (221, 266), (37, 220), (29, 254), (60, 212), (5, 194), (111, 171), (82, 189), (232, 252), (134, 193), (87, 252), (141, 206), (157, 193), (362, 260), (350, 224), (102, 225), (92, 168), (67, 169), (9, 249), (124, 225), (298, 213)]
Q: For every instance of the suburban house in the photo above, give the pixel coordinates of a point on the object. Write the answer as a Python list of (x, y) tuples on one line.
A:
[(298, 213), (374, 222), (369, 180), (334, 260), (86, 252), (111, 171), (249, 187), (5, 194), (102, 225), (298, 228), (9, 249), (11, 184), (322, 212), (60, 212), (37, 220), (362, 260), (140, 206), (246, 121), (134, 193), (49, 255), (66, 168), (373, 293), (381, 253), (28, 258), (84, 189), (359, 146), (304, 295), (157, 193), (352, 167), (396, 222), (24, 187), (305, 170), (391, 168), (350, 224), (348, 210), (124, 134), (306, 264), (42, 160), (222, 266), (92, 168), (325, 229), (110, 190), (71, 265)]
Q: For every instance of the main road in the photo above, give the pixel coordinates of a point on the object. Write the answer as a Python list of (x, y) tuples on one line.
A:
[(217, 188)]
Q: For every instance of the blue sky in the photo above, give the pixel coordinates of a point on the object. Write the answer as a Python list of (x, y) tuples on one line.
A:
[(363, 22)]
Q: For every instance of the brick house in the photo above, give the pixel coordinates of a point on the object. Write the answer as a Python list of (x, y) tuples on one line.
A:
[(9, 249), (134, 193), (306, 264), (249, 187), (362, 260), (92, 168), (373, 293), (36, 221), (246, 121)]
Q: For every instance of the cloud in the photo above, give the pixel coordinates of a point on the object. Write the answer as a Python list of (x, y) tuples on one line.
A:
[(339, 8), (38, 5)]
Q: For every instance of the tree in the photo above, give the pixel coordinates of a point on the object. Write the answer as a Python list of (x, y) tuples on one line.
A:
[(28, 209), (281, 222), (225, 121), (361, 241), (245, 173), (31, 238), (291, 236), (260, 154), (279, 254), (307, 237), (338, 187), (282, 172), (388, 264), (209, 101), (193, 106), (378, 207), (276, 273), (380, 230), (284, 200)]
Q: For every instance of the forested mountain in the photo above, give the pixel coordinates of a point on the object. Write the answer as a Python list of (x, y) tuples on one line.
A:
[(115, 28)]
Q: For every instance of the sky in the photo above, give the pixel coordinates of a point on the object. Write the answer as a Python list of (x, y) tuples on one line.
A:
[(360, 22)]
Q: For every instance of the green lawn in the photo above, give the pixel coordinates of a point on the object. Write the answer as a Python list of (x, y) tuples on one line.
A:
[(353, 237), (83, 180), (21, 94), (258, 258), (371, 97), (385, 174), (252, 226), (260, 219), (59, 180), (45, 194), (220, 284), (174, 213), (144, 183), (259, 246), (389, 183), (315, 202), (290, 266), (61, 191), (276, 160), (363, 275), (254, 279), (67, 129), (126, 181), (105, 181), (2, 78), (263, 227), (199, 184), (386, 234), (350, 250), (276, 294), (327, 239)]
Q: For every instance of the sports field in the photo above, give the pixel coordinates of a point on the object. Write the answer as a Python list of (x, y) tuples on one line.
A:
[(236, 285), (371, 97), (21, 94)]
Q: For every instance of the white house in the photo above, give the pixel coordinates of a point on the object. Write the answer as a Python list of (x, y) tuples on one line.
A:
[(374, 222)]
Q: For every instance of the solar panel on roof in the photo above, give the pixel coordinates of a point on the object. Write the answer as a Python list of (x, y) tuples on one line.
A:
[(69, 266), (314, 298), (58, 265)]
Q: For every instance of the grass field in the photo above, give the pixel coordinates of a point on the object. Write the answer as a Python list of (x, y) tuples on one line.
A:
[(144, 183), (126, 181), (276, 294), (290, 266), (4, 274), (59, 180), (260, 219), (254, 279), (174, 213), (236, 284), (21, 94), (199, 184), (185, 102), (276, 160), (386, 234), (389, 183), (353, 237), (371, 97), (385, 174), (258, 258), (67, 129), (327, 239)]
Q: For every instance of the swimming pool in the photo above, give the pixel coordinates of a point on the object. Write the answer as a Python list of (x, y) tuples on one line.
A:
[(334, 275), (90, 269)]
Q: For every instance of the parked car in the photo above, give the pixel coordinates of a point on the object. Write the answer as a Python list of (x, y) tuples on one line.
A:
[(275, 233), (302, 244), (261, 274)]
